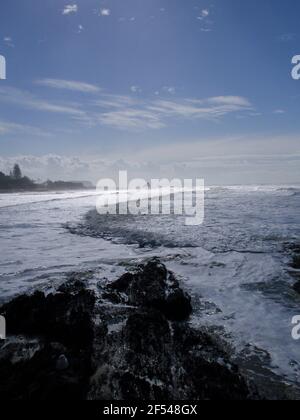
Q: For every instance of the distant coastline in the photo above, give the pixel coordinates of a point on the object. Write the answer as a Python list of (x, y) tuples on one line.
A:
[(15, 182)]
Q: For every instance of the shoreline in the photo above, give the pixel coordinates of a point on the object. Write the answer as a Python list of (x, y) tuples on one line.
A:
[(18, 191)]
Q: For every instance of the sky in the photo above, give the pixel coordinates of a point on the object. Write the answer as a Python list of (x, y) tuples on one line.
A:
[(161, 88)]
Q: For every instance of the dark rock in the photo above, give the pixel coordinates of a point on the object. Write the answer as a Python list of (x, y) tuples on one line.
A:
[(154, 287), (150, 359), (35, 376), (293, 250), (297, 287), (62, 363), (148, 354), (296, 262), (71, 287), (62, 317), (123, 283), (57, 363), (177, 306)]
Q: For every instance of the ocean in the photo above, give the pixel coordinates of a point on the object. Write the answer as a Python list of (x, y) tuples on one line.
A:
[(236, 266)]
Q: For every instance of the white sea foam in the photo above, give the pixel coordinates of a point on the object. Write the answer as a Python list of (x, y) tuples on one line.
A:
[(235, 265)]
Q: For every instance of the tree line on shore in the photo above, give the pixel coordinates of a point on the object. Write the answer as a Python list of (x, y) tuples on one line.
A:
[(16, 181)]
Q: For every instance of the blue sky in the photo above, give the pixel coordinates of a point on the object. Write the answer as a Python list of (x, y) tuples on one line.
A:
[(171, 87)]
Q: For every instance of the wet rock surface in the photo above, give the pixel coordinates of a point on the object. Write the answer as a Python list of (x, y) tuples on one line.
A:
[(294, 253), (153, 287), (297, 287), (131, 342), (48, 352), (296, 256)]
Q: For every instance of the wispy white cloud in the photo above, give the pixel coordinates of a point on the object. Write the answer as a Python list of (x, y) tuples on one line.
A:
[(126, 112), (70, 8), (105, 12), (30, 101), (210, 108), (204, 14), (69, 85), (14, 128), (127, 19), (8, 41), (132, 119), (223, 154), (135, 89), (230, 100), (204, 18), (169, 89), (155, 114), (110, 101)]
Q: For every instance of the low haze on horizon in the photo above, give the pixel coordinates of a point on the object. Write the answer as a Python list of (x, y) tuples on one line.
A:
[(162, 88)]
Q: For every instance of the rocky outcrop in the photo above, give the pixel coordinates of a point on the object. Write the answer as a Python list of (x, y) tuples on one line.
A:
[(152, 286), (49, 355), (131, 342)]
